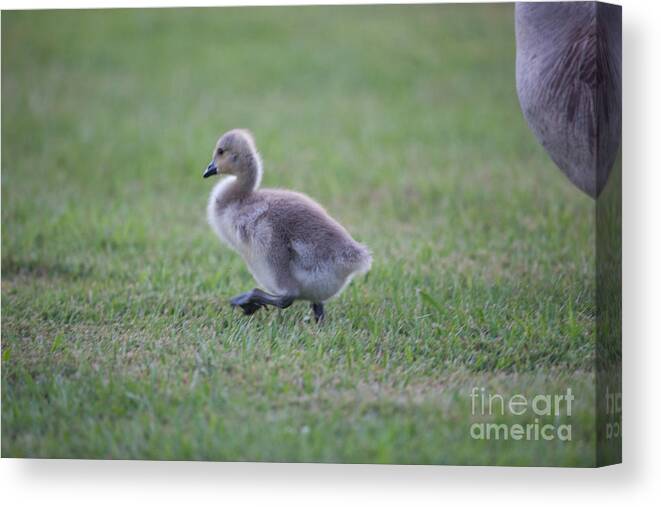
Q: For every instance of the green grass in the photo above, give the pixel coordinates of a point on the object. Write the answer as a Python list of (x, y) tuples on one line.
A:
[(117, 337)]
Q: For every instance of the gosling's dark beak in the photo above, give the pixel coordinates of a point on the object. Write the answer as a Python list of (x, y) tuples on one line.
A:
[(211, 170)]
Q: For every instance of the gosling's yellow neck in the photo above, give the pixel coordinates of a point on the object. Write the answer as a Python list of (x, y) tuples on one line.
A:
[(233, 188)]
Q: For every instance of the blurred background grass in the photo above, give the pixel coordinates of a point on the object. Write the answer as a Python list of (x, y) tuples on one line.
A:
[(403, 122)]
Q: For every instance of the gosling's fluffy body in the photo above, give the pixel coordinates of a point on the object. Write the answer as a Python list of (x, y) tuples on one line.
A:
[(290, 244)]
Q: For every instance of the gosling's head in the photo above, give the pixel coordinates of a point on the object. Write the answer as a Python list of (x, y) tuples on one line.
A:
[(235, 154)]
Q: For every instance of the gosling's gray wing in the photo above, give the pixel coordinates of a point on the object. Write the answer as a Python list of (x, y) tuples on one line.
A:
[(311, 237)]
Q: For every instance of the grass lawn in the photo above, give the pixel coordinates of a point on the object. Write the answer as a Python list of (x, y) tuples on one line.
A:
[(117, 337)]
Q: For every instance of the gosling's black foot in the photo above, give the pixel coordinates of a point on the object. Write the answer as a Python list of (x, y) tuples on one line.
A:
[(246, 303), (255, 299), (318, 310)]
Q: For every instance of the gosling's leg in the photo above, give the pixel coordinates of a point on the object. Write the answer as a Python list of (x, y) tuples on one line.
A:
[(318, 310), (253, 300)]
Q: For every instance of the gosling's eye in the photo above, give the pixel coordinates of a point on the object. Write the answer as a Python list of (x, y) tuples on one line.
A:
[(220, 151)]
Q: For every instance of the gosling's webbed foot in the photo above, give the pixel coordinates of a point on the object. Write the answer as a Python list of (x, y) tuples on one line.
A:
[(318, 310), (255, 299), (250, 308), (246, 302)]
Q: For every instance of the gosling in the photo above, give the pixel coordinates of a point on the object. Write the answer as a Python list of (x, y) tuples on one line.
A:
[(292, 247)]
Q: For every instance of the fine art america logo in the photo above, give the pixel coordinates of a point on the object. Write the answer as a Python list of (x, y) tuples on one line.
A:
[(486, 405)]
